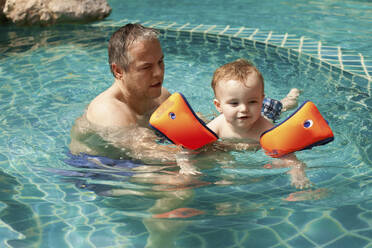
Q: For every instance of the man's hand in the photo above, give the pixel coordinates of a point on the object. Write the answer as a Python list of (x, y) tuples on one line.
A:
[(184, 162)]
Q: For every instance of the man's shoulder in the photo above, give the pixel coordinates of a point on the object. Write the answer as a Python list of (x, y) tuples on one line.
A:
[(164, 95), (109, 112)]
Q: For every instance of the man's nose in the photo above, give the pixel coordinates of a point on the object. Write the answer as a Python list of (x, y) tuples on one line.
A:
[(158, 70)]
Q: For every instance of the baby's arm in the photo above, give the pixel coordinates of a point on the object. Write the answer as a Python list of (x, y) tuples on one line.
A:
[(234, 145), (296, 172)]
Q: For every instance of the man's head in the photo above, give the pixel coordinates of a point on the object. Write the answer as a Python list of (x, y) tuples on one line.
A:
[(120, 41), (136, 61)]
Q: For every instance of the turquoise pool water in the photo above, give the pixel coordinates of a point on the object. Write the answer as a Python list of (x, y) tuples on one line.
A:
[(336, 23), (48, 75)]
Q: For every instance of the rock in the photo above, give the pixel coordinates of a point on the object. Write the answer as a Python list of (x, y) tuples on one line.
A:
[(47, 12), (2, 16)]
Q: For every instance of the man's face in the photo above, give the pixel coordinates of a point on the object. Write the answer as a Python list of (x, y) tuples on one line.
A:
[(145, 75)]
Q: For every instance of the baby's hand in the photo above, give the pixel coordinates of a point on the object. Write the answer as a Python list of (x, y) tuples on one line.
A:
[(298, 177), (301, 183)]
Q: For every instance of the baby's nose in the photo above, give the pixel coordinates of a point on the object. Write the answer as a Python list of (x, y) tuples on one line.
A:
[(243, 107)]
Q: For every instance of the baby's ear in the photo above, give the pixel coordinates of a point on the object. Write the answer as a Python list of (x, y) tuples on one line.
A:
[(217, 104)]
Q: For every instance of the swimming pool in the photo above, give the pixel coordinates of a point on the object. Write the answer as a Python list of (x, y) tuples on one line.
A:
[(49, 75), (335, 23)]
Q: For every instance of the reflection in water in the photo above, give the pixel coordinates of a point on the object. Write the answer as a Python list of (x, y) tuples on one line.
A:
[(17, 215), (119, 181)]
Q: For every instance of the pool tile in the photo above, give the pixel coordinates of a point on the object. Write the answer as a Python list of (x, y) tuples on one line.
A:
[(348, 241), (323, 230), (348, 215), (301, 242), (285, 230), (253, 238), (302, 218)]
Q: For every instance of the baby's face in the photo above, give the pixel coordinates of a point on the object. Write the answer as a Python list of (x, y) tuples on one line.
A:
[(239, 102)]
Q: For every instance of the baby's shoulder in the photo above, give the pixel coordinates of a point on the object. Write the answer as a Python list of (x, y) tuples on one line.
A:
[(264, 124), (215, 124)]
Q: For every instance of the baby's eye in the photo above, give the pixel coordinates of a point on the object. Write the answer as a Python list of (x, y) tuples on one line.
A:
[(233, 103)]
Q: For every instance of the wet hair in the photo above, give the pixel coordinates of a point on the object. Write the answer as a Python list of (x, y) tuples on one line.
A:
[(121, 40), (239, 70)]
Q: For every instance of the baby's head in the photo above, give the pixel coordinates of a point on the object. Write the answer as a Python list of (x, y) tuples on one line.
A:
[(239, 91), (240, 70)]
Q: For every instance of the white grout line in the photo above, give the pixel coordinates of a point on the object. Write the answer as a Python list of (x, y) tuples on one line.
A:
[(155, 24), (320, 50), (301, 44), (268, 37), (364, 66), (339, 54), (183, 26), (223, 31), (255, 32), (240, 30), (144, 23), (170, 25), (199, 26), (209, 29)]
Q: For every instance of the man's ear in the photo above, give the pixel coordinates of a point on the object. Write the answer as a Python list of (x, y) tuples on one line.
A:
[(118, 72), (217, 104)]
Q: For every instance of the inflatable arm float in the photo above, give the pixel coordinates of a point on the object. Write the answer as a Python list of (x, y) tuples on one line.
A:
[(304, 129), (176, 120)]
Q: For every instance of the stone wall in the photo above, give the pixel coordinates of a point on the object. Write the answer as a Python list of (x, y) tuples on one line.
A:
[(48, 12), (2, 16)]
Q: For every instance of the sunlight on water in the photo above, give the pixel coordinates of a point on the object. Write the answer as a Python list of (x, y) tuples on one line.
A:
[(47, 194)]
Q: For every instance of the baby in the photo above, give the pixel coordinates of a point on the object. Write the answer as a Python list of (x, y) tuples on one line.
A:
[(239, 93)]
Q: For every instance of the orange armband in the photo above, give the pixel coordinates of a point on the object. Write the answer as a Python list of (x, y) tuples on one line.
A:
[(176, 120), (304, 129)]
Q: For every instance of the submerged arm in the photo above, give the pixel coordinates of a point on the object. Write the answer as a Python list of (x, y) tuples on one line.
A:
[(296, 172), (132, 142)]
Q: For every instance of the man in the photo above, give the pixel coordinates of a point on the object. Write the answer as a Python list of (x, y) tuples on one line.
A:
[(136, 61), (119, 116)]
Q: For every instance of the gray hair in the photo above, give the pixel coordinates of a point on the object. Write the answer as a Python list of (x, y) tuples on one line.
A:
[(122, 39)]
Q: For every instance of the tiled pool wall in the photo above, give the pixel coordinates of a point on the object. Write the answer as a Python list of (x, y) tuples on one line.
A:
[(344, 63)]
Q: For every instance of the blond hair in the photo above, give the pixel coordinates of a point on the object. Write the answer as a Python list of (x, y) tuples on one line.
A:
[(239, 70)]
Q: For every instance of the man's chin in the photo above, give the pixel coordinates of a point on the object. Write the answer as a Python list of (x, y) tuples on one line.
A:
[(155, 92)]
